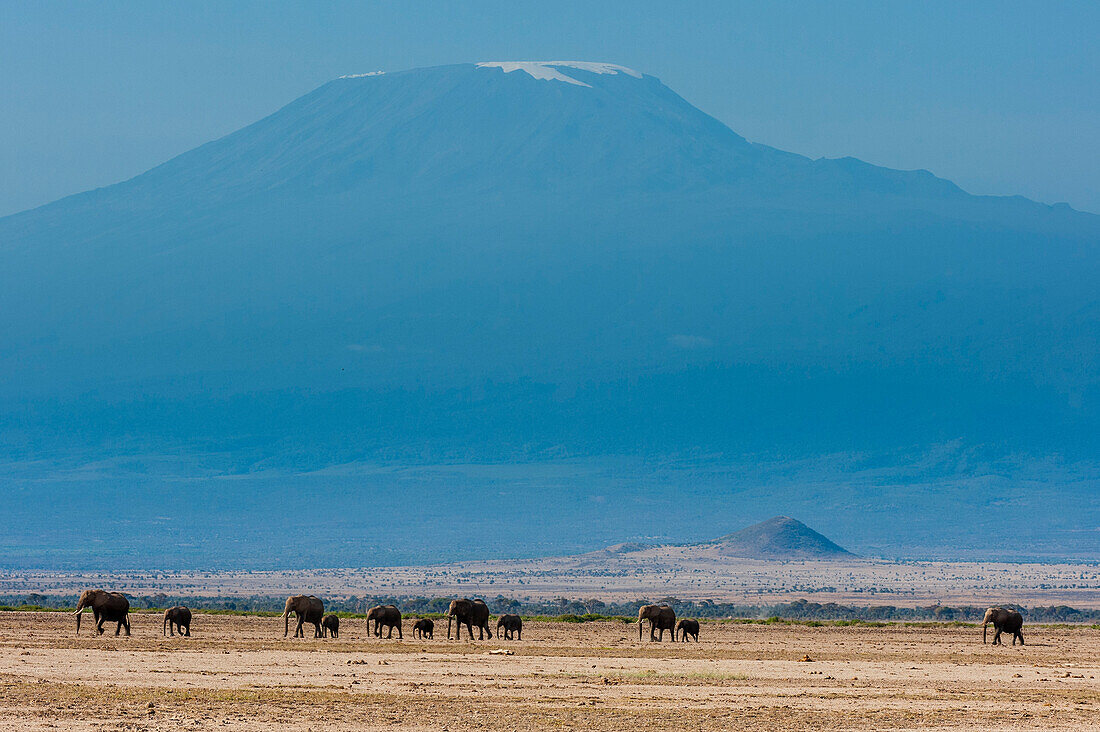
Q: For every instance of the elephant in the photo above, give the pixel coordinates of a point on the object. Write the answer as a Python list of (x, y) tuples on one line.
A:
[(330, 625), (471, 613), (177, 618), (424, 627), (309, 609), (661, 618), (106, 606), (688, 627), (1003, 620), (387, 615), (513, 626)]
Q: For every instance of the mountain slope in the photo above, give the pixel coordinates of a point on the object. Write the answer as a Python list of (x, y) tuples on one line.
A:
[(480, 263)]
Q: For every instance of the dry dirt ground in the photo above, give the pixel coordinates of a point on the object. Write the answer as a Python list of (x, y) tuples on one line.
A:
[(239, 673)]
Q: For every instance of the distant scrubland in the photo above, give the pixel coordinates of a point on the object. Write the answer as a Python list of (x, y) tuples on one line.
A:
[(582, 610)]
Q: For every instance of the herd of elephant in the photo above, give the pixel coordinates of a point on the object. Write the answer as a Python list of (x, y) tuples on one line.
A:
[(113, 607)]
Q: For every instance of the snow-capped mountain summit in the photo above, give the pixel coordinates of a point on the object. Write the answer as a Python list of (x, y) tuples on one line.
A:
[(510, 258), (551, 70)]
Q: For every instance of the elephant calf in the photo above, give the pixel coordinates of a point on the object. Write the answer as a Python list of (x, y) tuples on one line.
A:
[(513, 627), (688, 627), (330, 625), (423, 628), (177, 619)]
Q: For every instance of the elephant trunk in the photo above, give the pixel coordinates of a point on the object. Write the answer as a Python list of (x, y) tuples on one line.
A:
[(78, 612), (985, 628), (639, 628), (449, 616), (164, 629), (286, 622)]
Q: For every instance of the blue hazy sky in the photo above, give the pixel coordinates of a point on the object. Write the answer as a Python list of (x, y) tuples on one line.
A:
[(1001, 97)]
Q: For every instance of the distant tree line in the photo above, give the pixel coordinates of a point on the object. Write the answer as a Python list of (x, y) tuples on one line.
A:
[(590, 609)]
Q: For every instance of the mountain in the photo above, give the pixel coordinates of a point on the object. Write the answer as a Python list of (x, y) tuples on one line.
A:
[(555, 269), (779, 537)]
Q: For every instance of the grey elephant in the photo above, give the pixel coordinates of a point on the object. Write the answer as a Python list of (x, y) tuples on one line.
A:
[(106, 607), (330, 625), (424, 628), (177, 619), (661, 618), (385, 615), (309, 609), (472, 614), (513, 627), (688, 627), (1003, 620)]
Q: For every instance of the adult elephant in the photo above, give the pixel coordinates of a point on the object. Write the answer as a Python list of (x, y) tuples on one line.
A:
[(177, 618), (661, 618), (472, 614), (309, 609), (513, 627), (1003, 620), (106, 606), (387, 615)]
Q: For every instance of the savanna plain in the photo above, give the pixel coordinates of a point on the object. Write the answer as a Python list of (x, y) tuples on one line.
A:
[(238, 672)]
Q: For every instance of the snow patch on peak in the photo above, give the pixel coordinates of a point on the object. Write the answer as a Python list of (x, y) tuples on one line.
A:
[(548, 70), (360, 76)]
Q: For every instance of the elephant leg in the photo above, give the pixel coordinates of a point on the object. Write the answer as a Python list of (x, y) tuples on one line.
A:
[(188, 633)]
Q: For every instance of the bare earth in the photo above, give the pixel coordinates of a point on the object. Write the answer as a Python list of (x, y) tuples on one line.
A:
[(239, 673)]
